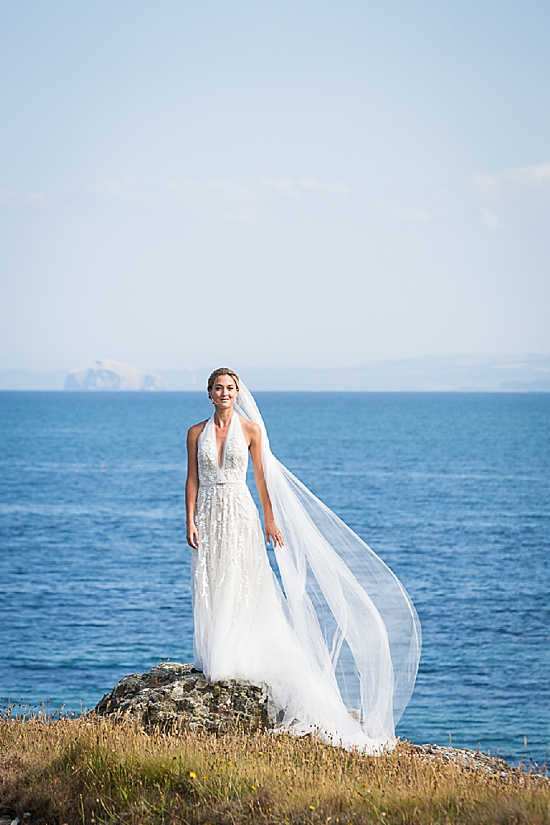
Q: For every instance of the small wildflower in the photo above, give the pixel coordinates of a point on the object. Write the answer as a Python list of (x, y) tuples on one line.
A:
[(253, 787), (312, 807), (192, 775)]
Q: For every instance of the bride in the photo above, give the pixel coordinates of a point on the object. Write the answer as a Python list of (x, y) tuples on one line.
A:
[(337, 643)]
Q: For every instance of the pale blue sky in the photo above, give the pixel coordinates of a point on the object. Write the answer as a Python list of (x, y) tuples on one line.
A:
[(289, 183)]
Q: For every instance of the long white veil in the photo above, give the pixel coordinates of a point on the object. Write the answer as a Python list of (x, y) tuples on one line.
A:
[(355, 622)]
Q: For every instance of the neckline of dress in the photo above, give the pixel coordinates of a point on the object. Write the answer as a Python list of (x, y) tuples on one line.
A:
[(221, 464)]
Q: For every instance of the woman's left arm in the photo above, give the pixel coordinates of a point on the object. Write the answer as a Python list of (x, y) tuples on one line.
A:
[(272, 532)]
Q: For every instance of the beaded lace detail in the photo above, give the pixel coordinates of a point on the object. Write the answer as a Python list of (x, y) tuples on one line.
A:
[(230, 567)]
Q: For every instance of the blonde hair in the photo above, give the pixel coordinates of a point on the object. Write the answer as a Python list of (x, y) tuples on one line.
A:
[(222, 371)]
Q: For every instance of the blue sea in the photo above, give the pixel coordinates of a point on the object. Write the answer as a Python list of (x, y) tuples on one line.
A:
[(451, 490)]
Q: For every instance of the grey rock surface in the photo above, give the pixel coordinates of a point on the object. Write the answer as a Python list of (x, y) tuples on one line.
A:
[(474, 761), (178, 697), (111, 375)]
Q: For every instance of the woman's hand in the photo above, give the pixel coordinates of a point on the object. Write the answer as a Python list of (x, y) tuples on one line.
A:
[(192, 536), (273, 534)]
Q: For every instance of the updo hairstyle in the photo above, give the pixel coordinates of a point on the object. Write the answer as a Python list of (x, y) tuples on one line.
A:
[(217, 373)]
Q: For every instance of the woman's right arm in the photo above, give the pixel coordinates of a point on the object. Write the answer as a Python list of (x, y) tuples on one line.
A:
[(192, 485)]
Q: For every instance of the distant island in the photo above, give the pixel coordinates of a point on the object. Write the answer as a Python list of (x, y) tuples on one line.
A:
[(112, 375)]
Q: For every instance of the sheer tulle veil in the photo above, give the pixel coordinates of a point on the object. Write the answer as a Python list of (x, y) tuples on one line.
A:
[(355, 622)]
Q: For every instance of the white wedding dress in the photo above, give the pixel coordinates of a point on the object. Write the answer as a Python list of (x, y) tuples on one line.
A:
[(338, 661)]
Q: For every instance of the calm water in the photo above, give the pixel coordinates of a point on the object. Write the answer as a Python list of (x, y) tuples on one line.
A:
[(452, 490)]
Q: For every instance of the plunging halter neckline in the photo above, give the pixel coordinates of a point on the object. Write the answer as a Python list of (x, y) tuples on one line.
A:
[(221, 453)]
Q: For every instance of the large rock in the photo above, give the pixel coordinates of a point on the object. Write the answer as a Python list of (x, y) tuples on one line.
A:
[(111, 375), (177, 696)]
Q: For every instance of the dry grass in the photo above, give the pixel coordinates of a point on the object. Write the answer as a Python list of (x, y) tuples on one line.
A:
[(97, 771)]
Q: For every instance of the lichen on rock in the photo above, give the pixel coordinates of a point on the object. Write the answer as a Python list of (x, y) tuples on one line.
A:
[(178, 697)]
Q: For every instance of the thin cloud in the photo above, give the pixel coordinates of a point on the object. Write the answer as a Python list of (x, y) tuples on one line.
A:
[(127, 190), (489, 219), (229, 200), (404, 214), (212, 189), (536, 176), (410, 215), (13, 198), (220, 199), (223, 190), (224, 200), (293, 187)]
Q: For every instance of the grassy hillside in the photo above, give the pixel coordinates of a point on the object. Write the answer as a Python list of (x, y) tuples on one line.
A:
[(97, 771)]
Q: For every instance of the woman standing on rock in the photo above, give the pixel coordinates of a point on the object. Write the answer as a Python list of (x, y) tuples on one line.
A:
[(338, 645)]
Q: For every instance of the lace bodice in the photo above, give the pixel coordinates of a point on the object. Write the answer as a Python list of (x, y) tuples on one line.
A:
[(234, 457)]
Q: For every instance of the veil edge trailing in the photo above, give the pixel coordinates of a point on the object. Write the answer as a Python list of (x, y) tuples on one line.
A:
[(355, 622)]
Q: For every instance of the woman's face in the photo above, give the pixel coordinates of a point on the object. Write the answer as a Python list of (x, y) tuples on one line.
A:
[(224, 392)]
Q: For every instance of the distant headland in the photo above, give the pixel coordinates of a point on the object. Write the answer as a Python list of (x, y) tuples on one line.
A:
[(105, 374)]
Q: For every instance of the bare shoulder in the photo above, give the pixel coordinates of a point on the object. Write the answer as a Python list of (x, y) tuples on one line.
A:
[(252, 431), (194, 431)]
